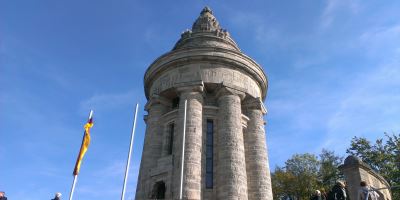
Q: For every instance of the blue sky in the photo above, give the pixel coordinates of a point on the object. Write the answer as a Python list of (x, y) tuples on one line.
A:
[(333, 69)]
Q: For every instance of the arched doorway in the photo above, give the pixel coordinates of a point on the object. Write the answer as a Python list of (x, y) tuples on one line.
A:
[(158, 190)]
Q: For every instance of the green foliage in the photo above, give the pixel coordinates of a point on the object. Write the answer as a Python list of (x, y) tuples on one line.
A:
[(382, 156), (304, 168), (282, 183), (303, 173), (329, 171)]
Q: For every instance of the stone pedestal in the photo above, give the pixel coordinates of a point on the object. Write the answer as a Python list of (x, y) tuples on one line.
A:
[(231, 170), (258, 175)]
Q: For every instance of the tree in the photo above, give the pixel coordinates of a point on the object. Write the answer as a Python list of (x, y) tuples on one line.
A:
[(282, 186), (298, 178), (329, 171), (305, 173), (382, 156)]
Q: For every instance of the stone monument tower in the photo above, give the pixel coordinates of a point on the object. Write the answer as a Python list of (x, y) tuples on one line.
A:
[(225, 149)]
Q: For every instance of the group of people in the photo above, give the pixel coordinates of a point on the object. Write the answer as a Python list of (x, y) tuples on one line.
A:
[(3, 196), (339, 192)]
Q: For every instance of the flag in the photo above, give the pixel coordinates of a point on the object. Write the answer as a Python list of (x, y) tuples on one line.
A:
[(84, 146)]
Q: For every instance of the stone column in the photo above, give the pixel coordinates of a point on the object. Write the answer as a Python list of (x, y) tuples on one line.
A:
[(193, 142), (152, 147), (231, 167), (257, 165)]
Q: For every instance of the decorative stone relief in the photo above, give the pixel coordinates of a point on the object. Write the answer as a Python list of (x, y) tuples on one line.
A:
[(207, 75)]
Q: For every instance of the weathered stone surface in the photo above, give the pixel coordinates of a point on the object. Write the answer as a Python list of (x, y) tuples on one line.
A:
[(258, 174), (231, 171), (355, 171), (222, 85), (193, 143), (152, 145)]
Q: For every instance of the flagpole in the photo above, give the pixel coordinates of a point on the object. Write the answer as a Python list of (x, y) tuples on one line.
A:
[(76, 175), (129, 153), (183, 149), (73, 187)]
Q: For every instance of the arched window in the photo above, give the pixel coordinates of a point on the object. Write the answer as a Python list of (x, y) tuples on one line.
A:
[(158, 190)]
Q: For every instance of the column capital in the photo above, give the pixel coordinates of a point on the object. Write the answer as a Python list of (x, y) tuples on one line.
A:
[(254, 103), (195, 86), (156, 99), (224, 90)]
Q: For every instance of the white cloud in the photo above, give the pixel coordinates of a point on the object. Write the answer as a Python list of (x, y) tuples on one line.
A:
[(105, 102), (370, 106), (332, 8), (381, 41)]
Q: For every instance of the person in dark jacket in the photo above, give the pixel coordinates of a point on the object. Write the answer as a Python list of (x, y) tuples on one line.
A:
[(2, 195), (58, 196), (338, 192)]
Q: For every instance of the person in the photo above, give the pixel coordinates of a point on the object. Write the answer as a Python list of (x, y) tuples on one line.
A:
[(3, 195), (317, 196), (367, 192), (58, 196), (338, 192)]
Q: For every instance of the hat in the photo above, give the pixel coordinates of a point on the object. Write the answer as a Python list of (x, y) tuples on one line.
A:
[(58, 194)]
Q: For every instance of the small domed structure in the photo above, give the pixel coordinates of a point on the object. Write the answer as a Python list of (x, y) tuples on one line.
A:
[(353, 160)]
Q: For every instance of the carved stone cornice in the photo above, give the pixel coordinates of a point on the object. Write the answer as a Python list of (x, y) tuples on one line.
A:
[(254, 103), (156, 99), (224, 89), (194, 86), (224, 57)]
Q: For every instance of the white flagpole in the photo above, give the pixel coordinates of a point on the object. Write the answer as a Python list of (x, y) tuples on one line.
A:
[(73, 187), (76, 176), (183, 149), (129, 154)]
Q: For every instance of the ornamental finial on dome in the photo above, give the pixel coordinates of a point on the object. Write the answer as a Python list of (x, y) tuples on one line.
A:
[(206, 32), (206, 22), (206, 9)]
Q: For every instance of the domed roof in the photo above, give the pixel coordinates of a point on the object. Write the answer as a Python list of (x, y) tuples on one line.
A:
[(211, 45), (206, 32)]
